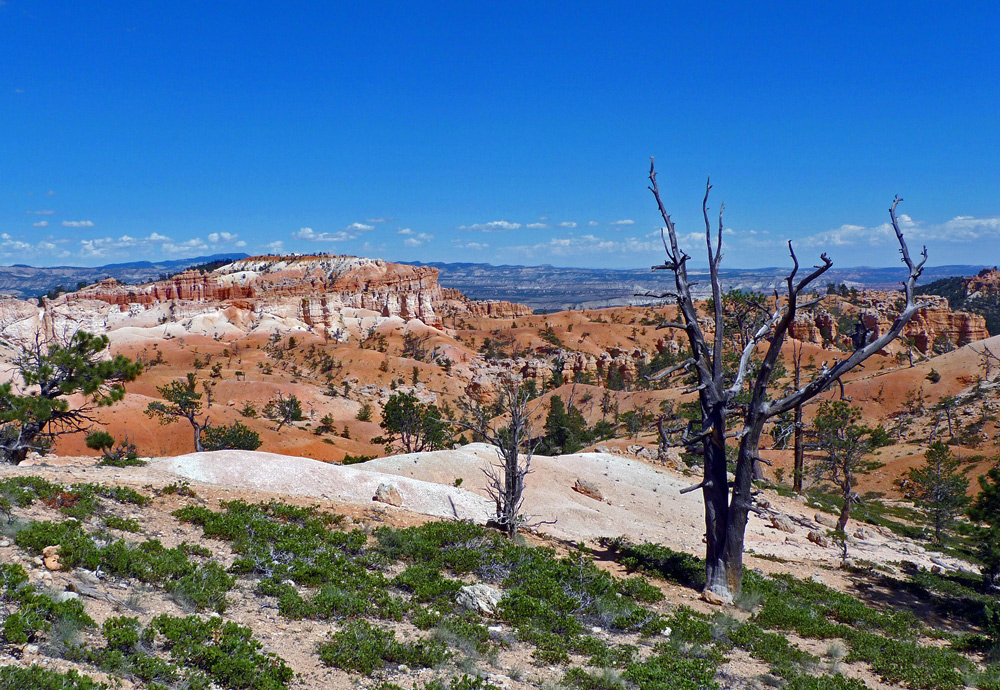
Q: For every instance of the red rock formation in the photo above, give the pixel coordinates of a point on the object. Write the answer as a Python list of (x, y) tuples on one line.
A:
[(934, 321), (986, 282), (312, 288), (457, 304)]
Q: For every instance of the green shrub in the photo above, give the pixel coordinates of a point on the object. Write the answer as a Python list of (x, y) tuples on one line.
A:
[(669, 670), (235, 436), (657, 560), (38, 678), (362, 647)]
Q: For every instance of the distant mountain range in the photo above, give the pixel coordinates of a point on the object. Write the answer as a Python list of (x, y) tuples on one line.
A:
[(552, 288), (25, 282), (548, 288)]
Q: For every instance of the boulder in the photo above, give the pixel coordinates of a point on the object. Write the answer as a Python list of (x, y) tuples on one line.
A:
[(819, 539), (825, 520), (50, 557), (588, 488), (480, 598), (783, 523), (387, 493)]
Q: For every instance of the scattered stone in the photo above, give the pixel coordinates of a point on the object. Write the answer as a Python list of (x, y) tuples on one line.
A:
[(819, 539), (666, 632), (596, 629), (817, 578), (479, 597), (783, 523), (4, 544), (50, 556), (87, 576), (763, 503), (403, 668), (861, 533), (825, 520), (714, 598), (60, 597), (588, 488), (936, 569), (387, 493)]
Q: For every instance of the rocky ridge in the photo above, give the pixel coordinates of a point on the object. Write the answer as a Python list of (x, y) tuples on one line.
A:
[(932, 323), (338, 296)]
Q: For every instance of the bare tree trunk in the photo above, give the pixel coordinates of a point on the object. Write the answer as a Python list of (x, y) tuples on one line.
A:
[(845, 512), (725, 515), (799, 434)]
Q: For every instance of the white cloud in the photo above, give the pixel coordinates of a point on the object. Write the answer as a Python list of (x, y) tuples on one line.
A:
[(50, 193), (418, 240), (222, 237), (585, 244), (567, 224), (359, 227), (492, 226), (472, 245), (406, 231), (311, 235), (241, 243), (195, 244), (155, 237), (78, 223), (593, 223), (536, 226), (276, 247), (40, 224), (380, 219), (624, 221)]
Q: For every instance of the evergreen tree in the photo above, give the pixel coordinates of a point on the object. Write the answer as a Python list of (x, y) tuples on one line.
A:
[(985, 509), (55, 371), (412, 425), (843, 444), (182, 401), (939, 487)]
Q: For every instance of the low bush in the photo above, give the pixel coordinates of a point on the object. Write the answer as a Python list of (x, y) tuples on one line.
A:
[(360, 646)]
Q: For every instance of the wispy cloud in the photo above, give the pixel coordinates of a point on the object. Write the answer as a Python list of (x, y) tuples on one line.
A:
[(40, 213), (311, 235), (380, 219), (585, 244), (624, 221), (417, 240), (78, 223), (471, 245), (492, 226), (536, 226), (567, 224), (593, 223), (276, 247), (359, 227), (222, 237), (40, 224)]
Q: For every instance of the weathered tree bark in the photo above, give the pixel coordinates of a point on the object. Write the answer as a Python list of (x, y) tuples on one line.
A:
[(726, 513), (799, 467)]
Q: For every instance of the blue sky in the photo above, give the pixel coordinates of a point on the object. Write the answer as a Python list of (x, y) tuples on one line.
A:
[(515, 132)]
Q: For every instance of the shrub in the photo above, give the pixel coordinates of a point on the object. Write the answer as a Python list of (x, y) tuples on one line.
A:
[(235, 436), (362, 647)]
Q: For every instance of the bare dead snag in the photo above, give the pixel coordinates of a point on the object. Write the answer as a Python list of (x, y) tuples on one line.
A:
[(726, 510)]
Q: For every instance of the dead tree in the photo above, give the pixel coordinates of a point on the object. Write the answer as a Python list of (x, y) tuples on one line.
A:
[(726, 511), (506, 425), (798, 469)]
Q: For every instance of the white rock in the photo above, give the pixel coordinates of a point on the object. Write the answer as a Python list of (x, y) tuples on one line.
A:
[(479, 597)]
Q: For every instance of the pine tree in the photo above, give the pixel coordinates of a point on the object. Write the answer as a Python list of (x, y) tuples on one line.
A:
[(939, 487), (843, 444)]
